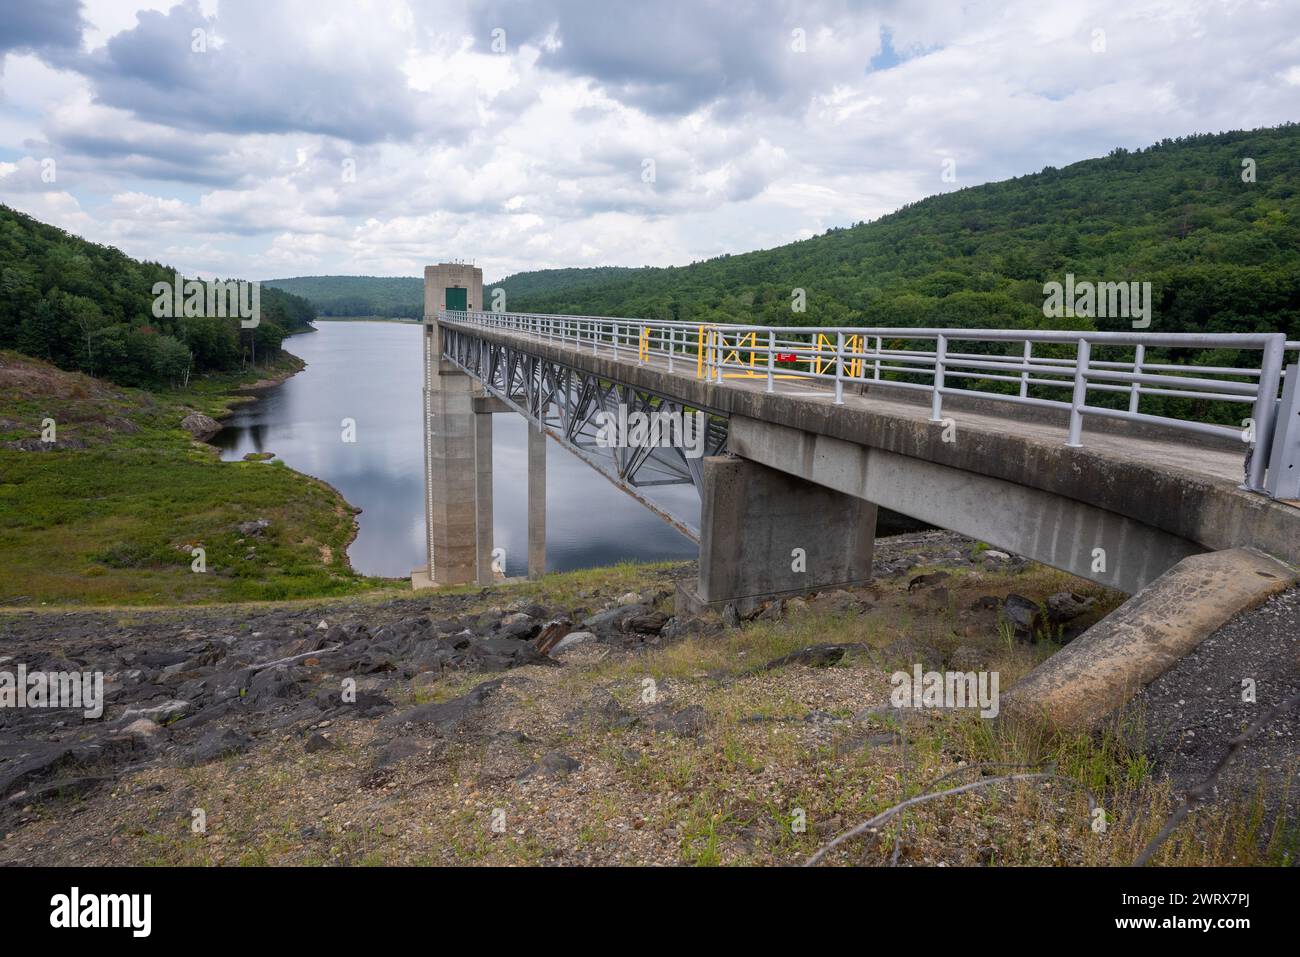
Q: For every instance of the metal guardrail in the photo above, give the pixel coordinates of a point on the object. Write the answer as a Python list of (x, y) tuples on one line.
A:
[(930, 360)]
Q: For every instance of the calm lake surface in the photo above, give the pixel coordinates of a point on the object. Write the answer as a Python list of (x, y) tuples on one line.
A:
[(371, 372)]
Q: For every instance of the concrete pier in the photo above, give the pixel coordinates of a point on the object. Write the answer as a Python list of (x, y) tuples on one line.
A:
[(451, 458), (536, 503), (450, 476), (483, 493), (764, 534)]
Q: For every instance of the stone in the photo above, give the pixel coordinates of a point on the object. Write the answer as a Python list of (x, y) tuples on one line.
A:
[(1066, 606), (518, 625), (688, 722), (814, 656), (651, 623), (318, 742), (730, 617), (144, 727), (160, 713), (554, 764), (256, 527), (571, 639), (1024, 614), (445, 717), (218, 743), (200, 426), (996, 555), (399, 749), (922, 581), (611, 619)]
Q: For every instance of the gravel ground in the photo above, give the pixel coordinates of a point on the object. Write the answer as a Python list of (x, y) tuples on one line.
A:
[(1192, 711)]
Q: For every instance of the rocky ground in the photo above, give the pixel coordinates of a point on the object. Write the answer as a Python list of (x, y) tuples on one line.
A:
[(571, 721)]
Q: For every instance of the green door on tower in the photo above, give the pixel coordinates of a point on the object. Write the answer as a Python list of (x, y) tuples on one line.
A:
[(456, 299)]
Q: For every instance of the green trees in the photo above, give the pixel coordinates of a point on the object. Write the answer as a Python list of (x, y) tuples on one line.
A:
[(1222, 252), (89, 307)]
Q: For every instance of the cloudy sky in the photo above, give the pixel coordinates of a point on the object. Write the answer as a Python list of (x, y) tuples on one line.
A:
[(270, 138)]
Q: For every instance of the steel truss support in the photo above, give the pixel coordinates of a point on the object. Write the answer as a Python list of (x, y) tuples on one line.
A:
[(575, 406)]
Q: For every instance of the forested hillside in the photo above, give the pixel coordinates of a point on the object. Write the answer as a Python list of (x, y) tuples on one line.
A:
[(87, 307), (1222, 254), (402, 297), (394, 297)]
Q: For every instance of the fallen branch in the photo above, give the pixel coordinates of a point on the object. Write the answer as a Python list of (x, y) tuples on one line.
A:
[(884, 816), (291, 658), (1200, 792), (983, 765)]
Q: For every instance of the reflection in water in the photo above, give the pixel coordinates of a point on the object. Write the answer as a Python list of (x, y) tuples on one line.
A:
[(370, 372)]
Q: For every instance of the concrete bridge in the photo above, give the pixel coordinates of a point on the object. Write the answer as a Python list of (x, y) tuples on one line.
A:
[(808, 431), (1090, 452)]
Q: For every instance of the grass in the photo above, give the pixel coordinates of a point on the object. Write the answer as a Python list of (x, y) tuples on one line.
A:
[(112, 515)]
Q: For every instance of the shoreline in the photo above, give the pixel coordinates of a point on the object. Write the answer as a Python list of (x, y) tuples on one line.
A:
[(247, 393)]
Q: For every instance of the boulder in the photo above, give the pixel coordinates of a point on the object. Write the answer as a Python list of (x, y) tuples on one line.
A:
[(200, 426), (571, 639), (1024, 614), (253, 528), (650, 623)]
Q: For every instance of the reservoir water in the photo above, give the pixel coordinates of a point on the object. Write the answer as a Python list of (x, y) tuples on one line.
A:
[(370, 372)]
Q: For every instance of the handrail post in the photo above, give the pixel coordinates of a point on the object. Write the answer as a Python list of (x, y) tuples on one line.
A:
[(839, 368), (1024, 376), (936, 398), (1265, 410), (1139, 354), (879, 346), (672, 335), (771, 358), (1080, 397)]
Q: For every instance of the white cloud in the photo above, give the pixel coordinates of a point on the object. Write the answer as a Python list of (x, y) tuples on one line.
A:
[(333, 136)]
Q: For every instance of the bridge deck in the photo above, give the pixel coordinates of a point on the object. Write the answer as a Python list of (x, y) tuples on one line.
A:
[(1181, 484), (1190, 454)]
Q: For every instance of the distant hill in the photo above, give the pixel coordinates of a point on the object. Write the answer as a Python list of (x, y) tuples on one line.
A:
[(397, 297), (88, 307), (402, 297)]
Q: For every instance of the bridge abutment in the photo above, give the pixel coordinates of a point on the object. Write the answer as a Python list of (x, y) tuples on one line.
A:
[(766, 534)]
